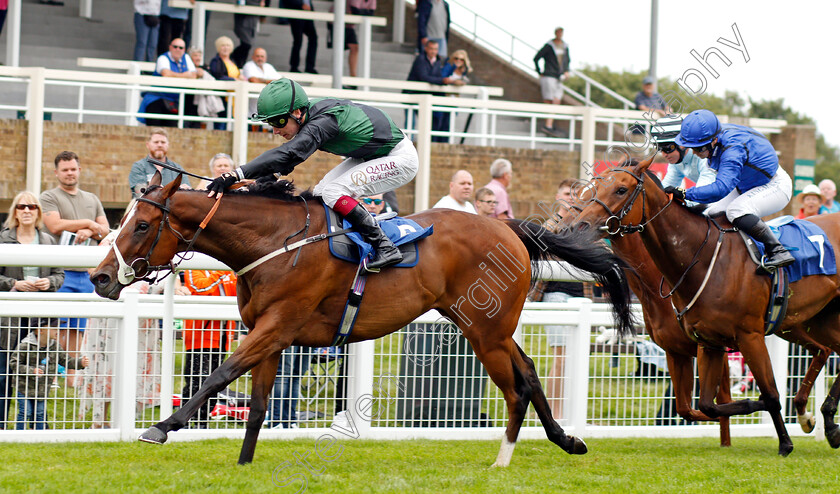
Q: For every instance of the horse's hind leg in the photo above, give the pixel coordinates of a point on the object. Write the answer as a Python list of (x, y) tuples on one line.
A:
[(828, 410), (570, 444), (800, 401), (262, 381)]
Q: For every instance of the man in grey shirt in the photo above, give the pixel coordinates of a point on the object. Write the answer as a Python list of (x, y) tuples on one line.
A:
[(142, 171), (433, 24)]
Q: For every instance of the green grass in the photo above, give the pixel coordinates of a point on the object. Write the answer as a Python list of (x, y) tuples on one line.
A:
[(612, 465)]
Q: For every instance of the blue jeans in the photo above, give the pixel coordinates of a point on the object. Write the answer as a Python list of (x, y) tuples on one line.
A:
[(31, 410), (293, 364), (146, 40), (75, 282)]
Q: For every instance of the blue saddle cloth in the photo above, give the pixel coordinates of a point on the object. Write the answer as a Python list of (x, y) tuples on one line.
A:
[(402, 231), (807, 242)]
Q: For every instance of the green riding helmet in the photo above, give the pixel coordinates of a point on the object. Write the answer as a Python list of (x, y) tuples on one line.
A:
[(280, 97)]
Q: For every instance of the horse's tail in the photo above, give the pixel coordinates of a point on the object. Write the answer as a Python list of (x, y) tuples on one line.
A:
[(584, 250)]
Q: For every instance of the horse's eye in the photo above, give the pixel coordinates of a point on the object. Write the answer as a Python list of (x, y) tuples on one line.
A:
[(142, 227), (621, 190)]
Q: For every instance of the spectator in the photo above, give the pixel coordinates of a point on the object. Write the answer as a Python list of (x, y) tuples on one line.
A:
[(649, 101), (146, 29), (258, 70), (220, 163), (501, 172), (245, 28), (282, 407), (172, 24), (433, 24), (24, 225), (460, 192), (204, 105), (70, 210), (458, 67), (811, 200), (173, 63), (142, 171), (301, 27), (206, 342), (558, 292), (427, 68), (829, 191), (35, 363), (556, 65), (223, 68), (485, 202)]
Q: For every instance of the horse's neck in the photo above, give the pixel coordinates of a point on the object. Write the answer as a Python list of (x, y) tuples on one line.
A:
[(673, 238)]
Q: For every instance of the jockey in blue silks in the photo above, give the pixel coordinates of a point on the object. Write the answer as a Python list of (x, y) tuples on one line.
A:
[(749, 183)]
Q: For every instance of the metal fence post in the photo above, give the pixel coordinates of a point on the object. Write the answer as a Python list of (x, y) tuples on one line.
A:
[(167, 348), (132, 98), (577, 380), (13, 33), (424, 152), (199, 27), (366, 47), (35, 137), (360, 383), (240, 123), (483, 95), (778, 350), (587, 144), (126, 369), (398, 25)]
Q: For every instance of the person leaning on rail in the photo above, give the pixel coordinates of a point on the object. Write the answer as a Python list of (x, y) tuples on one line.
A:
[(380, 158)]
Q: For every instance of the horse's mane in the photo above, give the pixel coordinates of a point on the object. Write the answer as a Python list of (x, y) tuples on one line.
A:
[(273, 188)]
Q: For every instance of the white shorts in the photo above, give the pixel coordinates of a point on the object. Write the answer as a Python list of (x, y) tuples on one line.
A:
[(558, 334), (763, 200), (358, 178), (551, 88)]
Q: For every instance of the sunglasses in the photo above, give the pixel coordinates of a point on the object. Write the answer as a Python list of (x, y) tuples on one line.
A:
[(458, 58), (668, 147), (278, 122), (368, 200), (176, 47), (700, 149), (495, 203), (31, 207)]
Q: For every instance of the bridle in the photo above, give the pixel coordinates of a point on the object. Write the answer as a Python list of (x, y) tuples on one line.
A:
[(140, 268), (620, 228)]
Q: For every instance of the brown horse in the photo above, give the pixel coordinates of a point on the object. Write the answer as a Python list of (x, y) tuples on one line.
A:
[(722, 299), (476, 271)]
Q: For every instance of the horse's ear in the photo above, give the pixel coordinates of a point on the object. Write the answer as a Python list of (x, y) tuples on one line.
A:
[(644, 165), (171, 187), (156, 178)]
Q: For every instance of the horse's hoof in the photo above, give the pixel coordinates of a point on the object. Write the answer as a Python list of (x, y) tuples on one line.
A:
[(578, 447), (833, 437), (785, 449), (153, 435), (807, 422)]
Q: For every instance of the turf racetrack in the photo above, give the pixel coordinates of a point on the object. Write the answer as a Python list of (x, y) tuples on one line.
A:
[(612, 465)]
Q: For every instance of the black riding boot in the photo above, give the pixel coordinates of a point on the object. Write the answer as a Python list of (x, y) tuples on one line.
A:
[(775, 254), (386, 252)]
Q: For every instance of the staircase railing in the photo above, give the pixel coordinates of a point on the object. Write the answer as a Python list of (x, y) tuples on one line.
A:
[(520, 53)]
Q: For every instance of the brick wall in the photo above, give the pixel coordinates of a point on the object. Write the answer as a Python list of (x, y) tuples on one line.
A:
[(108, 151)]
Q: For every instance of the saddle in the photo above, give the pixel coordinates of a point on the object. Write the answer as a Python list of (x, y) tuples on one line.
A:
[(813, 255), (403, 232)]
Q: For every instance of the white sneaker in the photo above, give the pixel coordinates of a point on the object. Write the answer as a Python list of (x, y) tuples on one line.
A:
[(340, 420)]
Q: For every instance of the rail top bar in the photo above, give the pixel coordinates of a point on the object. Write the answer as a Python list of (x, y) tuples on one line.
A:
[(275, 12)]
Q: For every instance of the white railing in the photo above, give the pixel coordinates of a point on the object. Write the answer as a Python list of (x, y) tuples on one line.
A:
[(63, 94), (601, 396)]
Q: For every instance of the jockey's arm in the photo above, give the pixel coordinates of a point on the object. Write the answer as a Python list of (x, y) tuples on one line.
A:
[(728, 176), (283, 159)]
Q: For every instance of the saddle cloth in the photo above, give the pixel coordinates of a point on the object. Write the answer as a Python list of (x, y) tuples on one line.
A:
[(811, 249), (402, 231)]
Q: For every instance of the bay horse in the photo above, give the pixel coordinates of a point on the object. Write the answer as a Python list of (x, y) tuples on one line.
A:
[(474, 270), (721, 297)]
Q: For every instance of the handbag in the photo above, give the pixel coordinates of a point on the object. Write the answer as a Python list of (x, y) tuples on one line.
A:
[(151, 20)]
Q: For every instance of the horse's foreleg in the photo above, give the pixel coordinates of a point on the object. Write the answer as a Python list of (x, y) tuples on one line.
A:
[(724, 395), (262, 381), (709, 364), (682, 377), (828, 410), (800, 401)]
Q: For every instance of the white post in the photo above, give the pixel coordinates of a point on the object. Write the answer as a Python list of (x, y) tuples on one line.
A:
[(819, 393), (132, 97), (577, 368), (778, 350), (366, 49), (13, 34), (424, 152), (35, 137), (86, 9), (240, 123), (198, 26), (398, 27), (360, 384), (338, 43), (484, 95), (126, 368), (167, 350), (587, 144)]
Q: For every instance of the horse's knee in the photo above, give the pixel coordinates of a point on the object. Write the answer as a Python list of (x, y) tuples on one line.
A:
[(828, 408), (771, 403), (709, 408)]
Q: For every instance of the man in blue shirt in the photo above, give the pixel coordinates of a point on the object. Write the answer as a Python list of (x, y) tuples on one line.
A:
[(829, 191), (749, 183)]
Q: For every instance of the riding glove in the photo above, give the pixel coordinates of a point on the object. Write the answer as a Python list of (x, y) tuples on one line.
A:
[(677, 192), (222, 183)]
